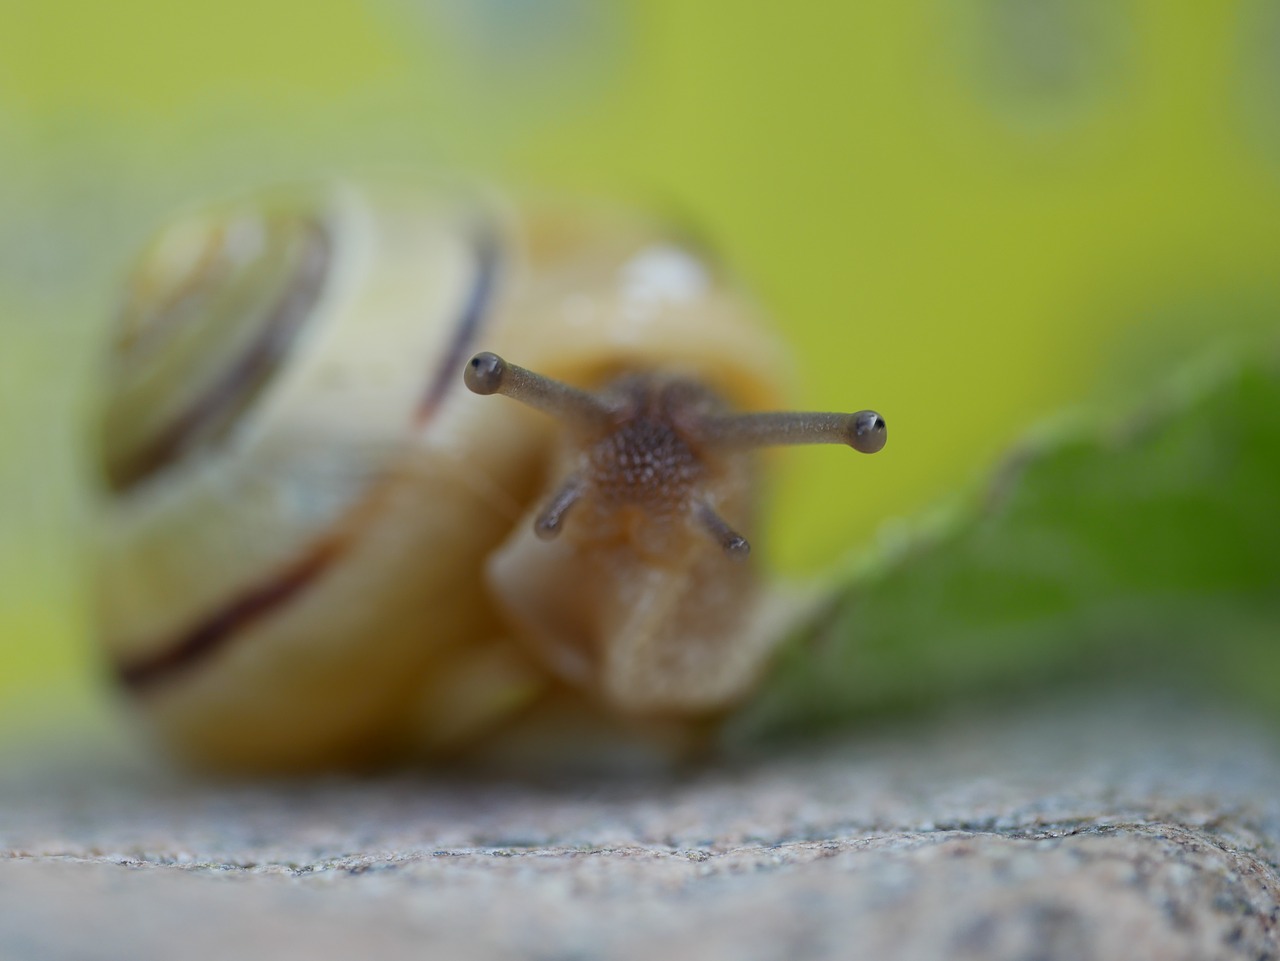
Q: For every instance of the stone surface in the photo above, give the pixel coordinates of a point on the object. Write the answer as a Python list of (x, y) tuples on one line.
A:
[(1115, 829)]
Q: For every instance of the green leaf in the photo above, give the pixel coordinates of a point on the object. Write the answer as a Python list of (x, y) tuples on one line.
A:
[(1147, 548)]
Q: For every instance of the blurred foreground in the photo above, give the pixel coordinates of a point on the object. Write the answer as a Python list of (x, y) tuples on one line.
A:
[(1094, 830)]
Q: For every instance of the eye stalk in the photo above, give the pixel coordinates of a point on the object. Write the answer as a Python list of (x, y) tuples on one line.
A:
[(651, 444), (864, 431), (487, 373)]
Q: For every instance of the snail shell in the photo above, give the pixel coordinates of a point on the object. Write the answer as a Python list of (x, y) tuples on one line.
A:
[(316, 545)]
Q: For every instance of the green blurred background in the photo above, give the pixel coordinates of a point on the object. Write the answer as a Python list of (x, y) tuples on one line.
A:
[(969, 214)]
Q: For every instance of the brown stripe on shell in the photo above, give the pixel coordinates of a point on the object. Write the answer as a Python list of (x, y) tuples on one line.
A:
[(212, 632), (210, 417), (449, 371)]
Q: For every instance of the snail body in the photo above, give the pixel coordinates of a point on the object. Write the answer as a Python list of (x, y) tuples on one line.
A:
[(318, 547)]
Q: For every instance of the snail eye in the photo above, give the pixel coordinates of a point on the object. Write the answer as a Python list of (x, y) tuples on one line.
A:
[(869, 432), (484, 373)]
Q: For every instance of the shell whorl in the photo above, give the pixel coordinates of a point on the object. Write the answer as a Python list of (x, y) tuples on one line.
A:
[(212, 309), (276, 435)]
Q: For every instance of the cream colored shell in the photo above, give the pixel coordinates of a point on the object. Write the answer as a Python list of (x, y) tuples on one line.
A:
[(303, 583)]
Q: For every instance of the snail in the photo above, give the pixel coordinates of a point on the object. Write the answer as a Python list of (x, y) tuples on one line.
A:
[(319, 545)]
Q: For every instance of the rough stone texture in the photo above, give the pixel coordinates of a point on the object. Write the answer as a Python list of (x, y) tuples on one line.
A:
[(1101, 830)]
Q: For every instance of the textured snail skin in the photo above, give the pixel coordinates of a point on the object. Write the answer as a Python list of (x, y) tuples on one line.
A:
[(635, 600), (315, 544)]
